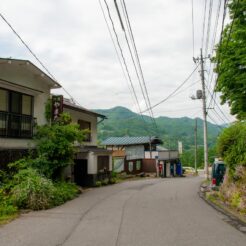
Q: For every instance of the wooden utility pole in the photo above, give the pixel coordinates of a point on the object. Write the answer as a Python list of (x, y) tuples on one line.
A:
[(195, 130), (205, 135)]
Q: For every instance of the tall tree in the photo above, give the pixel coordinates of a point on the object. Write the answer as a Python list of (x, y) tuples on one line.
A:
[(231, 60)]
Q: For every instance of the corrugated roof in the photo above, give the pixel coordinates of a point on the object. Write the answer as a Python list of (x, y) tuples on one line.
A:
[(114, 141)]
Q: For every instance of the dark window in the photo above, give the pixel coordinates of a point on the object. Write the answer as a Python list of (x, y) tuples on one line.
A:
[(103, 163), (15, 102), (85, 125), (16, 110)]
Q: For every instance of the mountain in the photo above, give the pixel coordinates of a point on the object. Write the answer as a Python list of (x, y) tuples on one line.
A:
[(123, 122)]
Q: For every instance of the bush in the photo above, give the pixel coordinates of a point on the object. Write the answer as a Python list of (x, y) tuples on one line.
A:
[(64, 192), (98, 183), (112, 181), (6, 206), (105, 182), (31, 190), (231, 146)]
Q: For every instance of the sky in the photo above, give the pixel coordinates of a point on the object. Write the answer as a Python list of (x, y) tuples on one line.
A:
[(71, 38)]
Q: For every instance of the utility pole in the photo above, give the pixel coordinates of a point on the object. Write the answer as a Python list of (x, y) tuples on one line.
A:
[(195, 130), (205, 135)]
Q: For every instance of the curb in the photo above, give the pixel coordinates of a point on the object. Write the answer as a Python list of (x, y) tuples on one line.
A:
[(230, 218)]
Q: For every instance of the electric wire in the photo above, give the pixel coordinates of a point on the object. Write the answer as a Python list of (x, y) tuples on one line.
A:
[(192, 20), (208, 26), (137, 55), (217, 105), (131, 54), (117, 53), (214, 121), (124, 61), (218, 63), (204, 21), (35, 56), (172, 94)]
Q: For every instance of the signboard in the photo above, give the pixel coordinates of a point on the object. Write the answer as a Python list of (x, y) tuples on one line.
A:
[(135, 152), (57, 106), (180, 147)]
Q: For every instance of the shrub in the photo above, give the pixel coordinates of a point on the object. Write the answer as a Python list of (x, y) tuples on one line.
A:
[(98, 183), (64, 192), (31, 190), (114, 174), (231, 146), (105, 182), (6, 206), (112, 181)]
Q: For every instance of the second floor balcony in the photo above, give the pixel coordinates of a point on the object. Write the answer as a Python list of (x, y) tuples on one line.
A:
[(16, 125)]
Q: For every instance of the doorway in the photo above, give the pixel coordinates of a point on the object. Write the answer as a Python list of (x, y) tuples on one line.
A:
[(80, 172)]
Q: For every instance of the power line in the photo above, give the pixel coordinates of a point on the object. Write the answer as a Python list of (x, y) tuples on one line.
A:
[(35, 56), (222, 29), (214, 122), (208, 26), (192, 19), (136, 55), (172, 94), (217, 105), (122, 55), (204, 20), (131, 54), (117, 53)]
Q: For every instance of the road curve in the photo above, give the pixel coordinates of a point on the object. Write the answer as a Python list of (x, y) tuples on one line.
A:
[(148, 212)]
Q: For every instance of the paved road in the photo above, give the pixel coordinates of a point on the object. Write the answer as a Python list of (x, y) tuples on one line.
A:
[(149, 212)]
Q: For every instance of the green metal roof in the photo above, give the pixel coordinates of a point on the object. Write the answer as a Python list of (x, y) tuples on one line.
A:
[(116, 141)]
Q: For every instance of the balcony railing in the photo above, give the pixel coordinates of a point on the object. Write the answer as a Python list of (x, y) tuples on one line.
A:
[(16, 125)]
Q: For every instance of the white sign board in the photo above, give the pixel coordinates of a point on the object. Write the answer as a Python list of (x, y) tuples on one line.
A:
[(135, 152)]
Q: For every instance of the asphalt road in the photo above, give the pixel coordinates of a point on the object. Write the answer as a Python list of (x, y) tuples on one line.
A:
[(144, 212)]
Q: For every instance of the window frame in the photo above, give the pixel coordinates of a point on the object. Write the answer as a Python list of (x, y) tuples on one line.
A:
[(20, 120), (88, 136)]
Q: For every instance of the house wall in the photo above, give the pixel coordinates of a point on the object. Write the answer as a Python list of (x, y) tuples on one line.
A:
[(76, 115), (26, 81), (149, 165), (153, 154), (119, 153), (134, 152), (23, 80), (92, 161)]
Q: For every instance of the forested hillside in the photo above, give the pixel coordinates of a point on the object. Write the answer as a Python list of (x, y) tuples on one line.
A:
[(121, 122)]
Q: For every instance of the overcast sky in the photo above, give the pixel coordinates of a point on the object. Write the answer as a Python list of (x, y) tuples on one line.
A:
[(71, 38)]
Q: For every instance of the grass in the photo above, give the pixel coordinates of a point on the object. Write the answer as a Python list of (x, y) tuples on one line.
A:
[(4, 219), (214, 197)]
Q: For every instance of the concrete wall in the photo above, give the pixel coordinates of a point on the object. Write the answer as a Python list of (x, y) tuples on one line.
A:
[(25, 80), (21, 78), (76, 115), (92, 161)]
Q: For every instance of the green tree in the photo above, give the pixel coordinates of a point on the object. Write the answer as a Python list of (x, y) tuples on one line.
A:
[(56, 146), (231, 145), (230, 60)]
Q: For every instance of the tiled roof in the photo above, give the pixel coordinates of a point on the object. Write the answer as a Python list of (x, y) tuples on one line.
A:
[(114, 141), (69, 104)]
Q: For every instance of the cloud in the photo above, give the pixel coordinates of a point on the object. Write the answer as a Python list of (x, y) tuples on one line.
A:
[(72, 40)]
